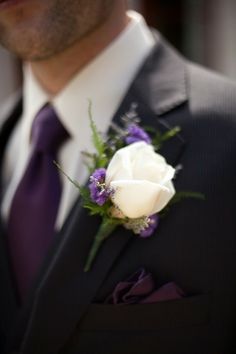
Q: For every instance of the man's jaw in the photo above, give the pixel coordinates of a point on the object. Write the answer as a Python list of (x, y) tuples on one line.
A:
[(5, 4)]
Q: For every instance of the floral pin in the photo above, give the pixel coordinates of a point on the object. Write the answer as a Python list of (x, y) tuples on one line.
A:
[(130, 184)]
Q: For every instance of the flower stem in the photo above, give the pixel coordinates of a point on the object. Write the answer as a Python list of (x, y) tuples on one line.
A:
[(106, 228)]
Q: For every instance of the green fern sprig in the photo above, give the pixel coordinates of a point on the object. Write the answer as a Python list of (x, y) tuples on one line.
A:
[(100, 159)]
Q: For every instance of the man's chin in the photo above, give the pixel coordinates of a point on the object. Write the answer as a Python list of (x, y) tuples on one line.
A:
[(8, 4), (23, 52)]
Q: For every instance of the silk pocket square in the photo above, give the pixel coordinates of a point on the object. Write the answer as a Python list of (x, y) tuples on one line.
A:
[(140, 288)]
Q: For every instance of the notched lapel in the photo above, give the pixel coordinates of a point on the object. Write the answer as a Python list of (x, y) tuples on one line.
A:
[(171, 149)]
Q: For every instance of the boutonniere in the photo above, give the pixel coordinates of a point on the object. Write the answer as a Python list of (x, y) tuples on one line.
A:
[(130, 183)]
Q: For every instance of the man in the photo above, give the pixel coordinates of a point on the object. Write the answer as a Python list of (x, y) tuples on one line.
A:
[(75, 50)]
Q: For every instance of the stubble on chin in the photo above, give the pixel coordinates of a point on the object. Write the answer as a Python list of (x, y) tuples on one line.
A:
[(39, 41), (52, 30)]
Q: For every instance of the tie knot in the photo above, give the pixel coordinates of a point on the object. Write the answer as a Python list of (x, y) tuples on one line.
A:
[(47, 131)]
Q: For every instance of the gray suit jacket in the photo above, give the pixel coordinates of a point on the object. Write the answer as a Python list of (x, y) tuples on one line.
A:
[(195, 245)]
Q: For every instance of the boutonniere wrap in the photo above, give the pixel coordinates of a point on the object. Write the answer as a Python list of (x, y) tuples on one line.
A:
[(130, 183)]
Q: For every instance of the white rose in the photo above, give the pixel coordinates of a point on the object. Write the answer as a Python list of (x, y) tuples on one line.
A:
[(141, 180)]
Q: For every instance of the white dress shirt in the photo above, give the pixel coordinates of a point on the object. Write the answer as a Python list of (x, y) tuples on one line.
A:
[(104, 81)]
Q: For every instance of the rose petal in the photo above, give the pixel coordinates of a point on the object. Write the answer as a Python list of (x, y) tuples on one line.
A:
[(140, 198), (119, 167)]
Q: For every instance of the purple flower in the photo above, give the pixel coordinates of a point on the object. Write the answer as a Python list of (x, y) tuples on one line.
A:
[(135, 133), (152, 225), (98, 191)]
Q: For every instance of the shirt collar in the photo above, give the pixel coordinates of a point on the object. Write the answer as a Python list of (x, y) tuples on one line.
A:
[(104, 81)]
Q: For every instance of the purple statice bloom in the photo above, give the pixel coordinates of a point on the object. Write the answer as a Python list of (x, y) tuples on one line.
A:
[(98, 191), (135, 134), (152, 225)]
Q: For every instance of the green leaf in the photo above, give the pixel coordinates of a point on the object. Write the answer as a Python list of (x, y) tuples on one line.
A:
[(75, 183), (159, 138), (170, 133), (178, 197), (100, 146), (94, 209), (186, 194)]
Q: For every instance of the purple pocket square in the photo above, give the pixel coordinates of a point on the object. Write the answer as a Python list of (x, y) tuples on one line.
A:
[(140, 288)]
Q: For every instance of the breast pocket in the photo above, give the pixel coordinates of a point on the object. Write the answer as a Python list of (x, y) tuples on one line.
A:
[(166, 314)]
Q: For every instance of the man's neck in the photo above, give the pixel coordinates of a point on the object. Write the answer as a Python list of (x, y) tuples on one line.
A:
[(54, 73)]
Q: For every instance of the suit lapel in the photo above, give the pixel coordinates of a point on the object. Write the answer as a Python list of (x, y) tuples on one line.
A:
[(65, 291), (8, 302)]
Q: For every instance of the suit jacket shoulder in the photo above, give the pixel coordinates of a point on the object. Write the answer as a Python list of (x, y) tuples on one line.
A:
[(210, 94)]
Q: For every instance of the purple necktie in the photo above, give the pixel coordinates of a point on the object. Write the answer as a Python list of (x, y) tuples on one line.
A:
[(35, 203)]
